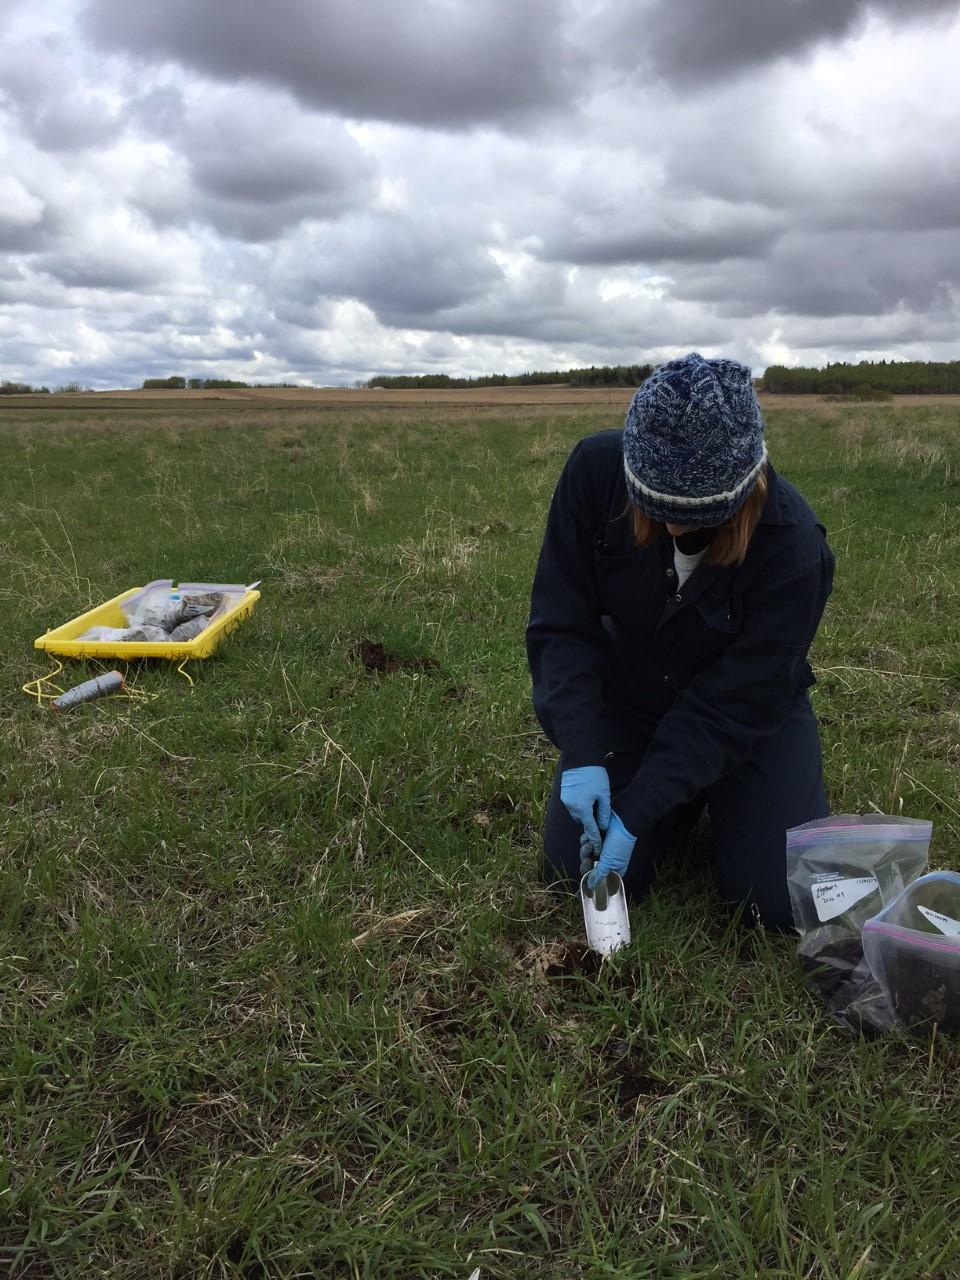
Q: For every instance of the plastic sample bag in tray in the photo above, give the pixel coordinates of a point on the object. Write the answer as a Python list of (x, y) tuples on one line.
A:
[(155, 621), (913, 949)]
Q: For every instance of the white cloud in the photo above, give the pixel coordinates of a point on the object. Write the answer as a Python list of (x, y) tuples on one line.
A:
[(197, 197), (18, 206)]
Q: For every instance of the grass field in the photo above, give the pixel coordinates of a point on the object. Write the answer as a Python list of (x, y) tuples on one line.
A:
[(279, 993), (257, 399)]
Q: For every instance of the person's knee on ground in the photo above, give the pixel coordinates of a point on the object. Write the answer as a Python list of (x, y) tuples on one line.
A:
[(751, 810), (751, 876), (759, 908)]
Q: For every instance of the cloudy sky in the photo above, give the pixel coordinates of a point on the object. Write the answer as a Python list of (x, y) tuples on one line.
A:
[(318, 190)]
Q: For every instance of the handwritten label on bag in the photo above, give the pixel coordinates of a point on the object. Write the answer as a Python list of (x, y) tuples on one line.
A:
[(944, 923), (832, 897)]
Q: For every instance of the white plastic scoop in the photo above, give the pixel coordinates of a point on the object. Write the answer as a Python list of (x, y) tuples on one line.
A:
[(609, 927)]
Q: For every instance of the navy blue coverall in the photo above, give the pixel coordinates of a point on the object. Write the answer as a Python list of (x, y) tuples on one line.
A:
[(688, 698)]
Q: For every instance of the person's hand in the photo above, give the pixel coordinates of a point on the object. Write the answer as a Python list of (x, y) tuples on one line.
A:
[(581, 791), (615, 854)]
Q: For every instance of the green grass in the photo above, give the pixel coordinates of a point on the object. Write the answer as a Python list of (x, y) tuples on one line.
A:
[(204, 1076)]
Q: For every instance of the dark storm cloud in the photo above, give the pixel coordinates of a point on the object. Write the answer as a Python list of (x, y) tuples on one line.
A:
[(220, 170), (312, 159), (27, 222), (32, 83), (537, 308), (537, 320), (428, 63), (899, 329), (738, 235), (15, 237), (405, 269), (162, 111), (313, 314), (13, 282), (86, 270), (73, 126), (839, 274), (691, 42), (836, 178), (542, 302), (915, 198)]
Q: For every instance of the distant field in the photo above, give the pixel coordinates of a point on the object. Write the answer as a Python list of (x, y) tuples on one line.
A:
[(347, 398), (280, 995)]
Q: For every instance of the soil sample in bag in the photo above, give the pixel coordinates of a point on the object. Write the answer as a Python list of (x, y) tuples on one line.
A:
[(913, 949), (840, 871), (190, 629), (200, 604), (145, 633)]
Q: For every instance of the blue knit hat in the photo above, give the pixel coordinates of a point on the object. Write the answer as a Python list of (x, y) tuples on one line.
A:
[(693, 441)]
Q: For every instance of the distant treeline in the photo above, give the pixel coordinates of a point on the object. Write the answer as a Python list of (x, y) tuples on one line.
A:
[(866, 380), (209, 384), (22, 389), (619, 375)]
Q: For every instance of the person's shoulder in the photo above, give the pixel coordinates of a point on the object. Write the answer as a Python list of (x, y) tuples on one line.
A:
[(603, 443), (594, 470), (791, 506), (792, 534), (600, 449)]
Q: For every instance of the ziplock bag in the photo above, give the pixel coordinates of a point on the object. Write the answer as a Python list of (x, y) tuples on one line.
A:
[(840, 871), (168, 608), (913, 949)]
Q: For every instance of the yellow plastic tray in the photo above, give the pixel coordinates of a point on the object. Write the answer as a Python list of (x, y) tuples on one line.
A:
[(63, 640)]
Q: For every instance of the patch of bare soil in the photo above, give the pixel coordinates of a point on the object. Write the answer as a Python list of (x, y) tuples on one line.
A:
[(375, 657), (555, 959), (633, 1081)]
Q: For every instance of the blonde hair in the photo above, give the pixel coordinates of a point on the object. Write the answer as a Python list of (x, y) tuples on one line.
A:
[(730, 542)]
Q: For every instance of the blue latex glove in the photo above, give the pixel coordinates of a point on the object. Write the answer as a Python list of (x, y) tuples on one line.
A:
[(616, 852), (581, 791)]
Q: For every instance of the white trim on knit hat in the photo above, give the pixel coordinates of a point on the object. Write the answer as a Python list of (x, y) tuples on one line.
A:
[(709, 499)]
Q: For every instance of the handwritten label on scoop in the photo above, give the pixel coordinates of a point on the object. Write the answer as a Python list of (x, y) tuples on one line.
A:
[(944, 923), (832, 897)]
